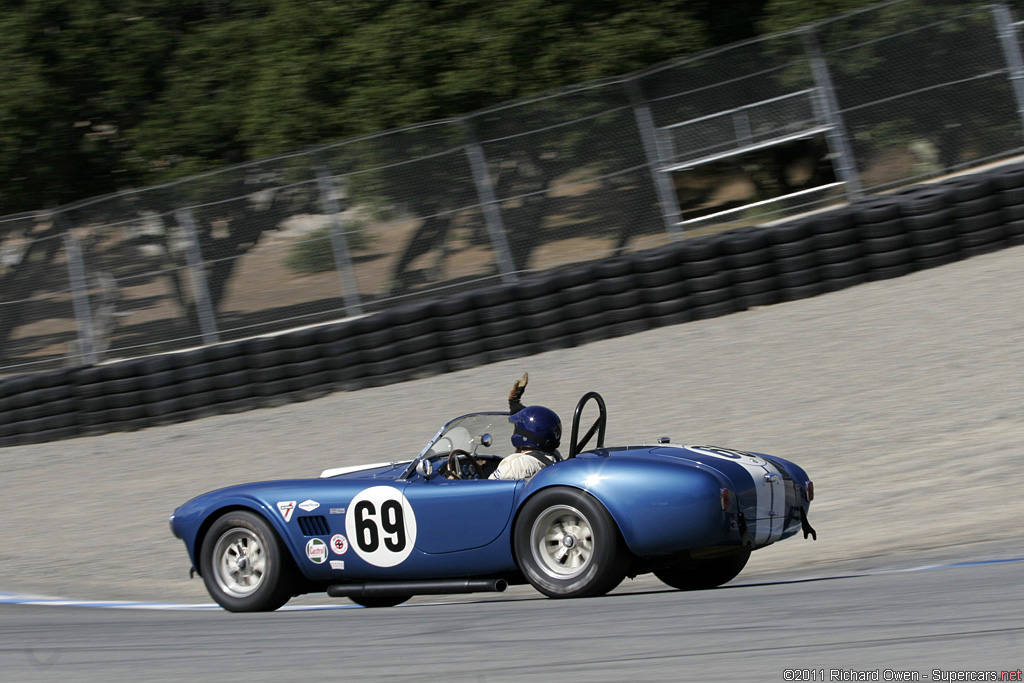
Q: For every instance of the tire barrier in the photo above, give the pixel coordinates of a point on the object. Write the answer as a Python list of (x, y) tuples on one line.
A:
[(879, 237)]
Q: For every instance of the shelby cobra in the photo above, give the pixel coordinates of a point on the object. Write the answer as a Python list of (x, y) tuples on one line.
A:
[(381, 533)]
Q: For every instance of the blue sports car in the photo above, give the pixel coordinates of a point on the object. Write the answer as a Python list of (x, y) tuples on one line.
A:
[(382, 533)]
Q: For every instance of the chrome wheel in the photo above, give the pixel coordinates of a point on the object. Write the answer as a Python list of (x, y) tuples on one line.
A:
[(567, 545), (240, 562), (562, 541)]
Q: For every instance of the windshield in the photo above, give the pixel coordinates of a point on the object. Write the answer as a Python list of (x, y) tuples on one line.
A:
[(465, 433)]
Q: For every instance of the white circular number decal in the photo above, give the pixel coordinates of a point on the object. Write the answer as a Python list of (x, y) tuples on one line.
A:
[(716, 452), (381, 526)]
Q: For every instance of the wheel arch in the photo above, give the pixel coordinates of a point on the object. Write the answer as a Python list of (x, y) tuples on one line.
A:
[(551, 487), (204, 529), (657, 506)]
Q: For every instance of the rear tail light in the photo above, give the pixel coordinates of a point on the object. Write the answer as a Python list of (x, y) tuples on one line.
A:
[(725, 499), (810, 491)]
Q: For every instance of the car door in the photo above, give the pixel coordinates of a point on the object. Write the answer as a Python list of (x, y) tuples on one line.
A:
[(455, 515)]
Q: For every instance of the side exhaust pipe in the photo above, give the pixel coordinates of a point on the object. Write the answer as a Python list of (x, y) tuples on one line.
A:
[(428, 587)]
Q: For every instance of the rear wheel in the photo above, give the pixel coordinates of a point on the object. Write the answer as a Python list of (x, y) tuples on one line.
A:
[(704, 573), (244, 566), (568, 546)]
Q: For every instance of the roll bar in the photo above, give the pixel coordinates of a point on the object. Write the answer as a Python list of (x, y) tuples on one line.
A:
[(577, 445)]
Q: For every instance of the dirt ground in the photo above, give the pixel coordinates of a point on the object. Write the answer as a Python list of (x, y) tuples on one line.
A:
[(901, 398)]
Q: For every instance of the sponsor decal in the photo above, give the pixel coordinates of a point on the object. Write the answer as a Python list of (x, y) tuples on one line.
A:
[(382, 526), (339, 544), (286, 508), (316, 551), (309, 505), (337, 564), (337, 511)]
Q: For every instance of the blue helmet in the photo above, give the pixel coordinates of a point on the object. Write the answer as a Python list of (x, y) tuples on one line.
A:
[(536, 427)]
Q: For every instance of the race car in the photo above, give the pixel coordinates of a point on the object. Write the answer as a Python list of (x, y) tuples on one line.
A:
[(437, 524)]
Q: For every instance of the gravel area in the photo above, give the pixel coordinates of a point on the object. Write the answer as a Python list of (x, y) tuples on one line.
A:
[(901, 398)]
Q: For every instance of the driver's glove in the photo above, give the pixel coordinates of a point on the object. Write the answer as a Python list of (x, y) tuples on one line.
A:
[(519, 387), (514, 405)]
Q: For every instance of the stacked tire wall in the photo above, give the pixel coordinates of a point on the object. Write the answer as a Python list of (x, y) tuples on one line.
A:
[(880, 237)]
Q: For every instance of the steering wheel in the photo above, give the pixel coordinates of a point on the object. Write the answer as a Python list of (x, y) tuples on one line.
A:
[(453, 463)]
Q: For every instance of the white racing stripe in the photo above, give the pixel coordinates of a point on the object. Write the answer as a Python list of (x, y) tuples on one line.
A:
[(771, 495), (777, 486)]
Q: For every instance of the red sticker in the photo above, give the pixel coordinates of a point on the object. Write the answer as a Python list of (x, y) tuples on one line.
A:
[(339, 544)]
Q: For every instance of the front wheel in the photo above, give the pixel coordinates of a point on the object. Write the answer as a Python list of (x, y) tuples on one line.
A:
[(568, 546), (704, 573), (243, 565)]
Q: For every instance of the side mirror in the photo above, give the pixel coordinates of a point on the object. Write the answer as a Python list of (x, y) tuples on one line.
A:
[(425, 467)]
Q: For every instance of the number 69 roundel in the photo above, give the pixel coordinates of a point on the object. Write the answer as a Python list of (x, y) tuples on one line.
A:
[(381, 526)]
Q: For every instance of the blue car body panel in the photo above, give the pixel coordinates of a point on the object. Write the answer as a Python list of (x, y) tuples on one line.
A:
[(405, 521)]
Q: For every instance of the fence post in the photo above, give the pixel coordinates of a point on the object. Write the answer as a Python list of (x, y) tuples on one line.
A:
[(827, 109), (80, 297), (194, 257), (339, 243), (1007, 31), (649, 136), (489, 202)]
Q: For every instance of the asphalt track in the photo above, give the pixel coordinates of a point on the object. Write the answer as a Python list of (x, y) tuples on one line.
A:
[(896, 625)]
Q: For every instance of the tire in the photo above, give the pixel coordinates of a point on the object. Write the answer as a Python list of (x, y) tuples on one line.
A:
[(974, 207), (848, 252), (660, 278), (765, 298), (795, 231), (927, 221), (617, 285), (703, 574), (586, 559), (800, 291), (755, 287), (264, 582), (698, 269), (540, 304), (497, 313), (967, 187), (784, 250), (1008, 177), (799, 278), (875, 274), (874, 231), (836, 284), (884, 245), (380, 600), (748, 258), (977, 223), (706, 311), (800, 262), (835, 271), (939, 233), (887, 259), (924, 251), (835, 239), (1012, 213), (877, 209), (922, 199)]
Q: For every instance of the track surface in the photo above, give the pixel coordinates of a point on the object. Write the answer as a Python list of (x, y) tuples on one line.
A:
[(954, 619)]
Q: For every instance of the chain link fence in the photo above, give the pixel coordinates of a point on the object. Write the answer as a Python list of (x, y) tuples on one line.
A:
[(751, 133)]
